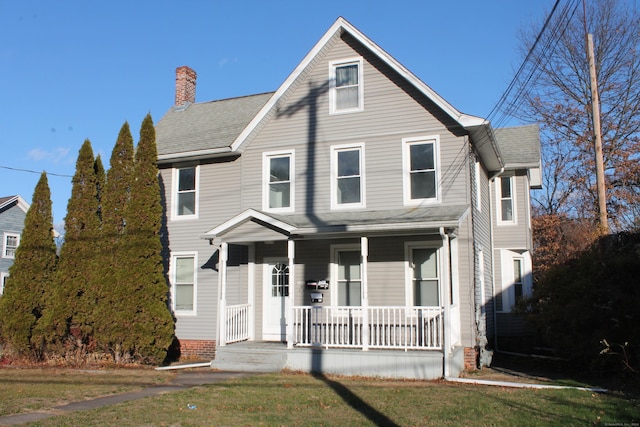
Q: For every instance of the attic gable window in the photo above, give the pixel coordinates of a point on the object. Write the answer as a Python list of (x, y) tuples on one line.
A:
[(346, 89), (185, 198)]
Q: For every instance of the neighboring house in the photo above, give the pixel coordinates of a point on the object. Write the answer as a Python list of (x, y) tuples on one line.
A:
[(13, 210), (352, 214)]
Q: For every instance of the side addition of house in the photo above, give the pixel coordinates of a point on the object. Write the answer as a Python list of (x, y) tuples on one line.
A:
[(349, 217), (13, 210)]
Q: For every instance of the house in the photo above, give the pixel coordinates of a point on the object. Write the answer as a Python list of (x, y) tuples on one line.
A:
[(353, 214), (13, 210)]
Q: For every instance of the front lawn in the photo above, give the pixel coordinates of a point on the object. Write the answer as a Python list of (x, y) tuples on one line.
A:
[(297, 399)]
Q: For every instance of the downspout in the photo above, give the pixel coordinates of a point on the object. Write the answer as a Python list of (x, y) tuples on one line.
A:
[(446, 298), (493, 257)]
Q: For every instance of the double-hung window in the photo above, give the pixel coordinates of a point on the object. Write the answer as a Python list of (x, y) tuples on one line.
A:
[(423, 274), (347, 176), (186, 192), (346, 89), (420, 164), (278, 179), (10, 244), (184, 283), (506, 200)]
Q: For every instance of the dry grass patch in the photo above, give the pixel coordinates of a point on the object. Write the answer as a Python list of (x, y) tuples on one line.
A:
[(32, 389)]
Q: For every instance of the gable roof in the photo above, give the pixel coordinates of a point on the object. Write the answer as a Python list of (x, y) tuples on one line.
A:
[(9, 200), (245, 121)]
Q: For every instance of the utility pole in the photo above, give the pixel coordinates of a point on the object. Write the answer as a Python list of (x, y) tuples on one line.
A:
[(595, 106)]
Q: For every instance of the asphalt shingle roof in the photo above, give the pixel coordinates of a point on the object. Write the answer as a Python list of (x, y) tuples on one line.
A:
[(519, 145), (206, 125)]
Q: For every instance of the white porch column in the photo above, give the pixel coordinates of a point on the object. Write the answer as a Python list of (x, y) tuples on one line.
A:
[(222, 285), (446, 301), (251, 273), (291, 249), (364, 250)]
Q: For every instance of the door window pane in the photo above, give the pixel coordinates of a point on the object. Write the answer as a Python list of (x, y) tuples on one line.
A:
[(280, 280), (425, 277), (349, 278)]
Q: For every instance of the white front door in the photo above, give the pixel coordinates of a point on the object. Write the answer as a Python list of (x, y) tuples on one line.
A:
[(275, 297)]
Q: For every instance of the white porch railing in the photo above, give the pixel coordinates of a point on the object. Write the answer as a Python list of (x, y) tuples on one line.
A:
[(419, 328), (237, 323)]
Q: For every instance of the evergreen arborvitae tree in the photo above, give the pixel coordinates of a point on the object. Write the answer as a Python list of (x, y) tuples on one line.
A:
[(32, 272), (71, 301), (151, 332), (100, 184), (112, 323)]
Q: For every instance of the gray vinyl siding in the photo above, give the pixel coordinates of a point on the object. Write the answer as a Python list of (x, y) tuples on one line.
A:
[(11, 221), (390, 114), (218, 194), (511, 236)]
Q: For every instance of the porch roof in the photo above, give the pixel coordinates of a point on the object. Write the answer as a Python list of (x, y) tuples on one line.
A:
[(338, 224)]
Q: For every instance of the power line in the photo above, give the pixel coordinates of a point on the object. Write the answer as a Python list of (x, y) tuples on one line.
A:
[(36, 172)]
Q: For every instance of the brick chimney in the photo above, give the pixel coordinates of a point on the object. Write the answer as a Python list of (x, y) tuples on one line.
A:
[(185, 86)]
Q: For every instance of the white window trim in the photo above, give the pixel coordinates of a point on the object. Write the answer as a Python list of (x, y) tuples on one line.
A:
[(3, 277), (508, 292), (408, 269), (334, 270), (514, 205), (332, 85), (172, 275), (406, 169), (174, 194), (335, 149), (4, 244), (266, 165)]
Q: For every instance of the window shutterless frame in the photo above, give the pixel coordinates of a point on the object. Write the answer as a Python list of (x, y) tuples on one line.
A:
[(10, 242), (421, 170), (184, 286), (185, 194), (346, 88), (347, 176), (278, 181), (506, 200)]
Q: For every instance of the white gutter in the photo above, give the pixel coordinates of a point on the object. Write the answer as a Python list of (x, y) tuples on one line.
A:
[(523, 385)]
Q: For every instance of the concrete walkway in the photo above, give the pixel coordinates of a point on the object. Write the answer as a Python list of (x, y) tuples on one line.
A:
[(183, 380)]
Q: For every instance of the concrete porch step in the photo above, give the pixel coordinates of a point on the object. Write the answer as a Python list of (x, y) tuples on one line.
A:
[(251, 356)]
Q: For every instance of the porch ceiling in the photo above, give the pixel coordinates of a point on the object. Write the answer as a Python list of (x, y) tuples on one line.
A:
[(253, 225)]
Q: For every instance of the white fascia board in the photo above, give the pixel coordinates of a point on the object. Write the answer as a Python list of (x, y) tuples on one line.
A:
[(244, 217), (193, 155)]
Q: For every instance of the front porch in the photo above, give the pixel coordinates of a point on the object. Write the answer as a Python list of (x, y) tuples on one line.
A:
[(259, 356), (371, 341)]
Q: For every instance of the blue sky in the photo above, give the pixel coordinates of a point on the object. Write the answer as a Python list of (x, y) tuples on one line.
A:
[(72, 70)]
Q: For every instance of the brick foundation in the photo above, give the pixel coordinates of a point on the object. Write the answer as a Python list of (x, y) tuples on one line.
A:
[(197, 349), (470, 358)]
